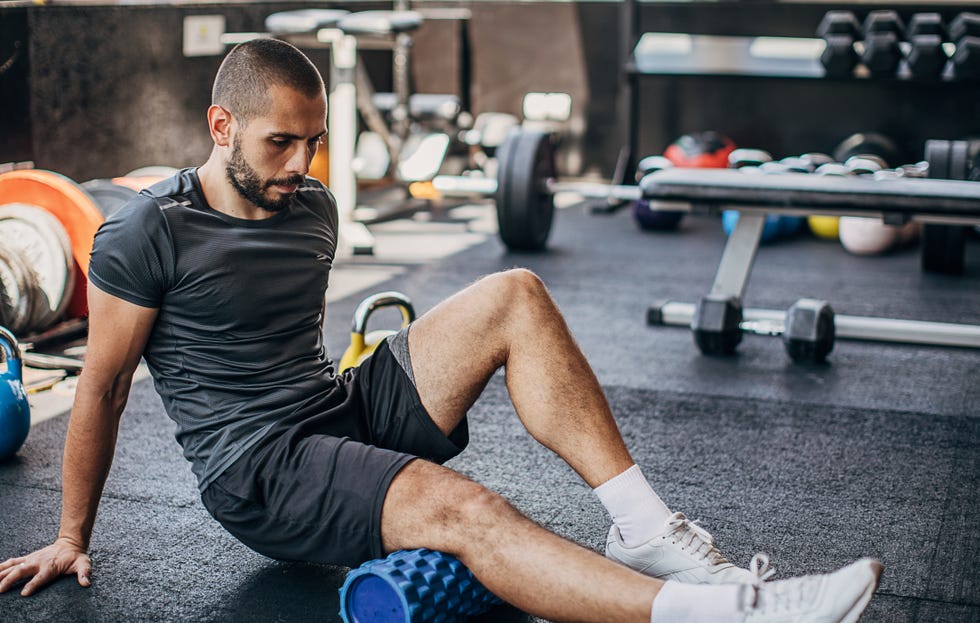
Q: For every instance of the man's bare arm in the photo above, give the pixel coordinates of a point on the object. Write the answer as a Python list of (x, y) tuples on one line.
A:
[(118, 331)]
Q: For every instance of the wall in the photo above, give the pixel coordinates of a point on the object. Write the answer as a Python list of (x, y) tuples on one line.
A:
[(105, 89)]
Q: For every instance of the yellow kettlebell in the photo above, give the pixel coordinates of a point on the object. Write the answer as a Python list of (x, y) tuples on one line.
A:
[(361, 344)]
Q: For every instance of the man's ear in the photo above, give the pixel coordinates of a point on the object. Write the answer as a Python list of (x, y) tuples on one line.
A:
[(219, 123)]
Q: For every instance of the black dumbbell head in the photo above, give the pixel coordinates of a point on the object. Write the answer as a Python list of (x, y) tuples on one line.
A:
[(927, 24), (839, 56), (881, 54), (884, 21), (716, 324), (809, 333), (966, 59), (926, 57), (964, 25), (839, 23)]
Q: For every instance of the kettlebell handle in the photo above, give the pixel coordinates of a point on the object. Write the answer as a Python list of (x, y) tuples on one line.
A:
[(382, 299), (11, 351)]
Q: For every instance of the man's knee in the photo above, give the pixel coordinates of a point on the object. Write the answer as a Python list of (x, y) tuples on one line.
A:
[(432, 506), (515, 287)]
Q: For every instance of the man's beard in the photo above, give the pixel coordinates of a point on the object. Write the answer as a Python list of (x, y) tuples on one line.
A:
[(246, 181)]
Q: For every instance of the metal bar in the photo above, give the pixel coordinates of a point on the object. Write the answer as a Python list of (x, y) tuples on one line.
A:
[(739, 256), (818, 194), (594, 190), (455, 185), (675, 313)]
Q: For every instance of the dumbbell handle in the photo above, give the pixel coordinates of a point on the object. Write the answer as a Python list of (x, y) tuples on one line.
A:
[(675, 313)]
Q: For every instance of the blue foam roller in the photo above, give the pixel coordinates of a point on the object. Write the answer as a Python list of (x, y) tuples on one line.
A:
[(770, 231), (413, 586)]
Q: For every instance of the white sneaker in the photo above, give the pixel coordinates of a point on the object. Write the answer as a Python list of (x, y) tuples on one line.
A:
[(684, 552), (838, 597)]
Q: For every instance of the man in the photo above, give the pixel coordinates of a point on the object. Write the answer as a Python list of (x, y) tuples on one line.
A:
[(217, 276)]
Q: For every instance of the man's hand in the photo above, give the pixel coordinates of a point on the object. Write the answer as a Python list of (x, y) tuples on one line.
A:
[(44, 566)]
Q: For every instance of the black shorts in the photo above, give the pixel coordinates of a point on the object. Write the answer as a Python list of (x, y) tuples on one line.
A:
[(313, 491)]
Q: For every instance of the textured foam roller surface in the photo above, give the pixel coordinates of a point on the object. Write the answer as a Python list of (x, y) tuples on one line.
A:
[(413, 586)]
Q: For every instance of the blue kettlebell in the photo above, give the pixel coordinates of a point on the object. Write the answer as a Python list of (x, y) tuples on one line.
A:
[(15, 414)]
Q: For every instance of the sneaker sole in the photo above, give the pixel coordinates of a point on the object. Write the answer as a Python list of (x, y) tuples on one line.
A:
[(869, 592)]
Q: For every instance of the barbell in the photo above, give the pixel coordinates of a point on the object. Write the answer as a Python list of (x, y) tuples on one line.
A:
[(526, 183)]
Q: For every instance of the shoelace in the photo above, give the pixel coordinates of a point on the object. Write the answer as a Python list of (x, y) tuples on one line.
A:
[(790, 595), (692, 536), (759, 566)]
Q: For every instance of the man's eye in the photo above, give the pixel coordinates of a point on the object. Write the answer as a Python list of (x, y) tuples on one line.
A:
[(280, 142)]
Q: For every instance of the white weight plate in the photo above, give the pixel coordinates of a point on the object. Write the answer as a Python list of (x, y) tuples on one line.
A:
[(44, 242), (18, 286)]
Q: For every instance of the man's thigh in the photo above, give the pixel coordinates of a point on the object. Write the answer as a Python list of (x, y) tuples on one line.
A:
[(396, 418)]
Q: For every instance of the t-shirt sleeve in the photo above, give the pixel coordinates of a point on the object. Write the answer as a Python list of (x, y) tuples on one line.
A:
[(132, 256)]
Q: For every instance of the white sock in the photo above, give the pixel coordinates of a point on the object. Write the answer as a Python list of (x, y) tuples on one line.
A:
[(699, 603), (634, 506)]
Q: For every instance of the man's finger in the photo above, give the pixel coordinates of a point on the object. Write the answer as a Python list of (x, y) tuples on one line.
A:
[(11, 562), (13, 575), (83, 567), (43, 576)]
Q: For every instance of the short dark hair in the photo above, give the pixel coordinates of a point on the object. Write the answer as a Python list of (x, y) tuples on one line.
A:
[(245, 76)]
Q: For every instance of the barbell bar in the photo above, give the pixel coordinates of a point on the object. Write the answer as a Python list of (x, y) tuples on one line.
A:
[(526, 183)]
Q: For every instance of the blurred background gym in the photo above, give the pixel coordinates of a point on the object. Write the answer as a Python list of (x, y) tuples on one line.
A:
[(645, 159)]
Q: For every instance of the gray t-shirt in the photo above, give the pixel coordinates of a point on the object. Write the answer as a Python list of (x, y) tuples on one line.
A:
[(237, 343)]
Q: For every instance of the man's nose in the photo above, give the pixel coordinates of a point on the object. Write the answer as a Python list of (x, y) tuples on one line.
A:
[(299, 160)]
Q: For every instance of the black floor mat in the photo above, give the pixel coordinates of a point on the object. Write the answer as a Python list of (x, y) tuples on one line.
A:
[(875, 454)]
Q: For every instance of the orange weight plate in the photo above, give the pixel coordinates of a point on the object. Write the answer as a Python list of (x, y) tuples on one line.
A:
[(71, 205)]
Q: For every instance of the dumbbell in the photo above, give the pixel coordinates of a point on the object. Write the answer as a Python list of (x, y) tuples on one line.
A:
[(839, 30), (882, 52), (413, 586), (964, 31), (807, 329), (363, 344), (925, 56)]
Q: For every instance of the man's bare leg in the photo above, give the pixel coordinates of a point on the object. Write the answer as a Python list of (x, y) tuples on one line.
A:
[(509, 320), (428, 505)]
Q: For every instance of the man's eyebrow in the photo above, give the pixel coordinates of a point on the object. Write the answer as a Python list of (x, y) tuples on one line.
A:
[(296, 137)]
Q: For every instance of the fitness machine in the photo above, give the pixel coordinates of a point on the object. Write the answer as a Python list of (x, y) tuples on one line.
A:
[(525, 187)]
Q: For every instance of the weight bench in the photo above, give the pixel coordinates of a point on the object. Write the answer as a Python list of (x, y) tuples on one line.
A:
[(896, 201)]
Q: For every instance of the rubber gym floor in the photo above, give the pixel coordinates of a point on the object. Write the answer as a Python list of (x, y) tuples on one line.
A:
[(876, 453)]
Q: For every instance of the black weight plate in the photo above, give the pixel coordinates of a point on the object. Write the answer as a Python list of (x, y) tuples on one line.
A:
[(959, 160), (937, 155), (525, 209), (943, 245), (108, 195)]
